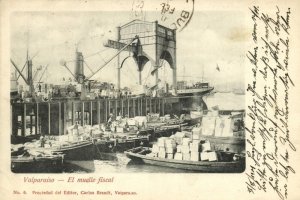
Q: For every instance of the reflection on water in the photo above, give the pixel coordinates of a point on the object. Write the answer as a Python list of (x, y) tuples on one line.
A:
[(116, 163)]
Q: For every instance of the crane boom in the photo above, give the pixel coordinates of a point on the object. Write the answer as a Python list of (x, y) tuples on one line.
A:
[(12, 62), (35, 74), (43, 73), (122, 49), (22, 69)]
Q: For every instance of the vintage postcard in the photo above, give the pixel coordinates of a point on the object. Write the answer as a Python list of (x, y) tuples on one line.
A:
[(140, 99)]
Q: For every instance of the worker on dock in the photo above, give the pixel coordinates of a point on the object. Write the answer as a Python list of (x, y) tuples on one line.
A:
[(42, 140), (110, 121), (75, 129)]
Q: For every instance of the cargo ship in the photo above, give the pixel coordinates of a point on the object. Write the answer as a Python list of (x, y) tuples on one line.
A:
[(197, 89)]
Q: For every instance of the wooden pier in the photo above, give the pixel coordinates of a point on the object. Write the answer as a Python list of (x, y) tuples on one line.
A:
[(53, 117)]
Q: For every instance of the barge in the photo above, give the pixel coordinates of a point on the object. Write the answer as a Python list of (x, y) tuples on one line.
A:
[(140, 155)]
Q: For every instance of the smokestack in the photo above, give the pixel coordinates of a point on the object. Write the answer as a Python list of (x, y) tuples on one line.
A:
[(79, 70), (29, 71), (29, 77)]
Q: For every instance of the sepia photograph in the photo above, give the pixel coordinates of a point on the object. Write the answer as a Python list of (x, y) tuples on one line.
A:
[(140, 99), (92, 92)]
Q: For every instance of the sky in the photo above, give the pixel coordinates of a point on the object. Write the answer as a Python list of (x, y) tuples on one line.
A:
[(211, 38)]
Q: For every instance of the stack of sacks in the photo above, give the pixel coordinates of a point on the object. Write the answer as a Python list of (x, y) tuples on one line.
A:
[(119, 129), (131, 122), (196, 133), (164, 148), (96, 126), (103, 127), (185, 149), (118, 118), (80, 130), (167, 117), (208, 125), (72, 130), (162, 119), (63, 138), (178, 154), (87, 129), (153, 117), (161, 146), (155, 150), (206, 146), (162, 152), (223, 127), (161, 141), (195, 149), (170, 146), (206, 153), (228, 127), (178, 137), (214, 113), (182, 148), (141, 121), (209, 156), (73, 138)]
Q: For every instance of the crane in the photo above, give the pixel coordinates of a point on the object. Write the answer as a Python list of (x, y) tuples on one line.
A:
[(79, 70)]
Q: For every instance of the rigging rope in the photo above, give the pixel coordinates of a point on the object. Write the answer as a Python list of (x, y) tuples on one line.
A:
[(98, 52)]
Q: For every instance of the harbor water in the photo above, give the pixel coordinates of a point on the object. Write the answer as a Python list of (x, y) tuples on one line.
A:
[(116, 163)]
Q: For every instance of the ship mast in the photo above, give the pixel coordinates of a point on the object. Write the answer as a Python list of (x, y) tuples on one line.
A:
[(202, 73)]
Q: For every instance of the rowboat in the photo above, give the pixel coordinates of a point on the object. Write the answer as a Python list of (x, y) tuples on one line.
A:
[(120, 144), (80, 150), (75, 150), (36, 164), (140, 155)]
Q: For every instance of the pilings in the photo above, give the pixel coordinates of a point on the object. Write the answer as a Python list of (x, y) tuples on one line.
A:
[(53, 118)]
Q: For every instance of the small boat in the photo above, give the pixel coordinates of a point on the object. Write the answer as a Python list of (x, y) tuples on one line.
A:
[(225, 166), (120, 144), (73, 150), (17, 139), (163, 129), (80, 150), (37, 164)]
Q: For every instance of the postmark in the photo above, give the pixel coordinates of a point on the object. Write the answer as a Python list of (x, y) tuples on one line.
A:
[(175, 14)]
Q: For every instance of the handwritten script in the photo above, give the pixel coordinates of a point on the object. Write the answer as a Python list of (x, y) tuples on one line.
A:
[(268, 112)]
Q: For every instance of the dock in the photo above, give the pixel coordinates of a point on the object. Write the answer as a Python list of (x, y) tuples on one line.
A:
[(53, 117)]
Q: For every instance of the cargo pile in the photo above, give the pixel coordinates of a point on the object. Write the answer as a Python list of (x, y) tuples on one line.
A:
[(124, 125), (215, 125), (183, 146)]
